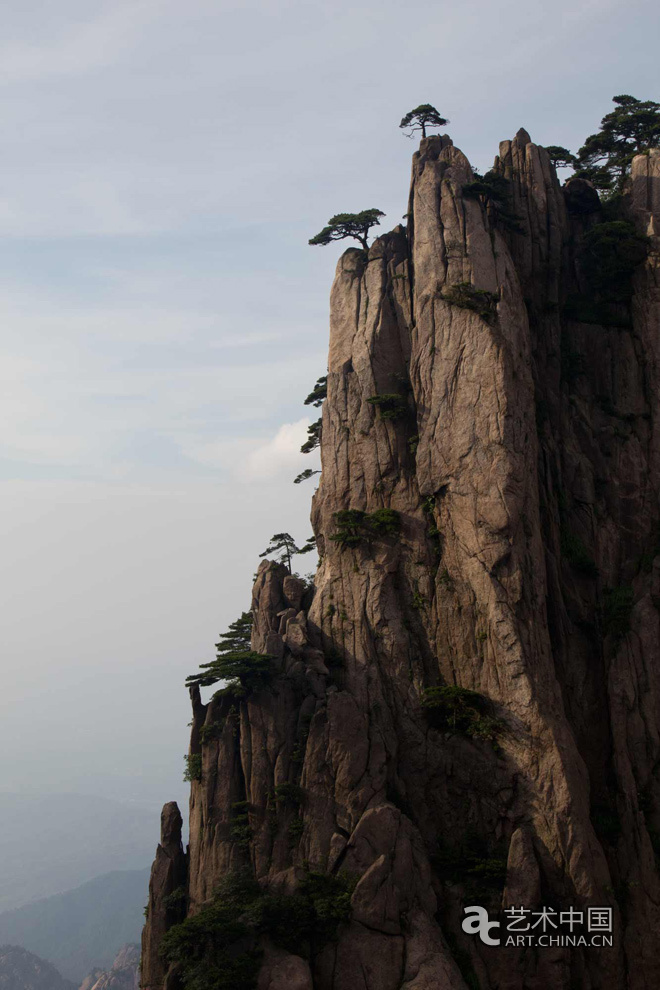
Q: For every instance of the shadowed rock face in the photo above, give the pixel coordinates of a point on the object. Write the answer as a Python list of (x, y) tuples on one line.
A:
[(166, 905), (523, 461)]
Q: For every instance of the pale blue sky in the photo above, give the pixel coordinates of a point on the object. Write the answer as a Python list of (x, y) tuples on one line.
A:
[(163, 167)]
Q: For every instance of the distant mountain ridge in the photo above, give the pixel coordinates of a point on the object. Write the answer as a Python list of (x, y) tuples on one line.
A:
[(83, 928), (54, 842), (22, 970)]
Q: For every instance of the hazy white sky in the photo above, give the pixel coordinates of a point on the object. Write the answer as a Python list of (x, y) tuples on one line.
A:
[(163, 166)]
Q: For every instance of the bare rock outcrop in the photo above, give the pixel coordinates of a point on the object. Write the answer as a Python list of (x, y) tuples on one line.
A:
[(122, 975), (487, 519), (167, 896)]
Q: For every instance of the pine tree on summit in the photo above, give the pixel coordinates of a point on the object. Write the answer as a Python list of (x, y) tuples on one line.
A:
[(356, 225), (422, 117), (630, 129)]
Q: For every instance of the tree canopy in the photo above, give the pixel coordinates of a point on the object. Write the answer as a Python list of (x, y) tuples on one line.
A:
[(285, 545), (314, 437), (318, 393), (561, 157), (236, 662), (422, 117), (628, 130), (356, 225)]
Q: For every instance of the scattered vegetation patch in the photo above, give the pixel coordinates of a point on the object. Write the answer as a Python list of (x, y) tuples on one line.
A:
[(610, 254), (465, 295), (193, 768), (247, 672), (355, 527), (413, 443), (391, 405), (176, 900), (450, 708), (630, 129), (313, 438), (472, 864), (211, 730), (495, 192), (318, 393), (218, 948), (288, 793), (304, 476), (617, 609), (240, 828), (295, 829), (574, 551)]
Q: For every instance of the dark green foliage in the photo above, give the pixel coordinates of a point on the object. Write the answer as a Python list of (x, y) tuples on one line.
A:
[(240, 829), (631, 128), (176, 900), (355, 526), (617, 609), (471, 864), (413, 443), (211, 730), (217, 949), (193, 770), (330, 895), (607, 823), (391, 405), (495, 192), (610, 254), (561, 157), (384, 522), (289, 793), (318, 393), (246, 671), (238, 634), (455, 709), (314, 438), (288, 921), (304, 475), (350, 527), (356, 225), (422, 117), (464, 294), (295, 829), (585, 309), (577, 555), (285, 545)]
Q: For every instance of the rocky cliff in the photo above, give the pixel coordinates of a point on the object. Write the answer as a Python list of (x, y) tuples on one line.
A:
[(122, 975), (487, 522)]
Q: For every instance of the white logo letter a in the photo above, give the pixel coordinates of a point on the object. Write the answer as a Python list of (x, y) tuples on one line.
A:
[(477, 922)]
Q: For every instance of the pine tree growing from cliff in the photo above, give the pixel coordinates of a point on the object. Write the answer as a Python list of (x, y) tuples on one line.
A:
[(285, 545), (420, 118), (355, 225), (632, 128)]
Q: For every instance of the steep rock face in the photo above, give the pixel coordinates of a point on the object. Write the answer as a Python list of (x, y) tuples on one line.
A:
[(122, 975), (167, 895), (517, 445)]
